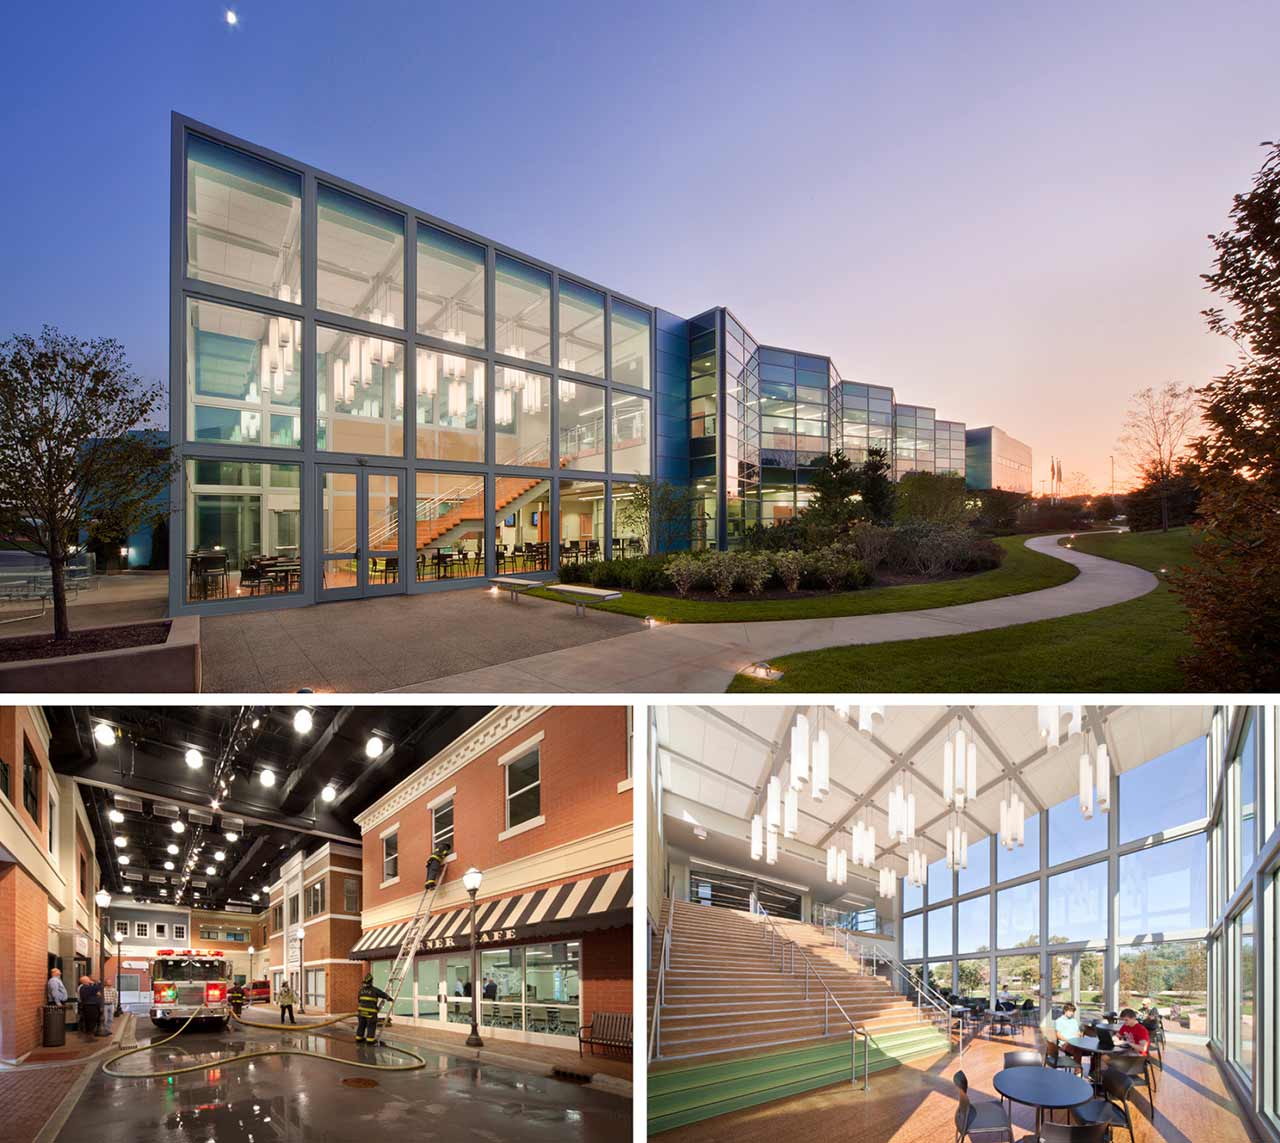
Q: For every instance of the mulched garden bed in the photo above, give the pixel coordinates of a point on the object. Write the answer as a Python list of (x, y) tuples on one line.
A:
[(85, 642), (885, 580)]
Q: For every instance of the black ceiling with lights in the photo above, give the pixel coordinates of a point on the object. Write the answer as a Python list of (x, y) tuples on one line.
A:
[(247, 786)]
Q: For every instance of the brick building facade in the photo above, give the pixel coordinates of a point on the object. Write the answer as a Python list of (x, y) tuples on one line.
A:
[(539, 800)]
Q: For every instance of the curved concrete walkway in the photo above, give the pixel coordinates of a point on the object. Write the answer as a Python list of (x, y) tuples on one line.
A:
[(702, 658)]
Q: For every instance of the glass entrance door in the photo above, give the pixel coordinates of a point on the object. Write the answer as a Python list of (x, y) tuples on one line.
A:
[(360, 532)]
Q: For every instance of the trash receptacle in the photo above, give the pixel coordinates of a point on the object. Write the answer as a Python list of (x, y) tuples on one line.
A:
[(55, 1026)]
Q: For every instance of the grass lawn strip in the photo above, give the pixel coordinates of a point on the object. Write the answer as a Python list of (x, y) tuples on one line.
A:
[(1128, 647), (1023, 570)]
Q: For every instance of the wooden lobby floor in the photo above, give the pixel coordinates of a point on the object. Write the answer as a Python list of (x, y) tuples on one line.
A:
[(916, 1104)]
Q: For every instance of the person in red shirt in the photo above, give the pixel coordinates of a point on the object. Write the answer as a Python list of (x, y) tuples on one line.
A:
[(1133, 1032)]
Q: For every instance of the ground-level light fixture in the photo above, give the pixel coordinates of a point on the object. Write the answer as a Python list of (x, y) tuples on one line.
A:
[(373, 747), (103, 898), (328, 793), (194, 758), (178, 826), (103, 735), (302, 720), (267, 777)]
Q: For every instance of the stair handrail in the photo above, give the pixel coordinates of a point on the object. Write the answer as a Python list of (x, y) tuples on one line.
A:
[(654, 1045), (829, 999), (923, 989)]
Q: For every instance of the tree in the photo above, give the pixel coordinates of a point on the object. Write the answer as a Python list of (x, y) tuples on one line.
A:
[(76, 453), (936, 497), (660, 513), (1157, 435), (1078, 484), (998, 509), (876, 486), (1172, 502), (1232, 591), (836, 481)]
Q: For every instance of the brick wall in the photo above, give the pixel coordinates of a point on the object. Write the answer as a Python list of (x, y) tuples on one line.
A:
[(24, 926), (583, 758), (606, 971)]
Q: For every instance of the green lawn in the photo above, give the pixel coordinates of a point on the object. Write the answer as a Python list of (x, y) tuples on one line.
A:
[(1133, 646), (1022, 570)]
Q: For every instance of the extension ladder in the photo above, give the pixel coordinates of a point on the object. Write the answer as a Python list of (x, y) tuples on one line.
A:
[(409, 946)]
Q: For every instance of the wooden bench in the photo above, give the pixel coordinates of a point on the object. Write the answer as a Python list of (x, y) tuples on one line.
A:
[(608, 1029), (585, 593), (514, 585)]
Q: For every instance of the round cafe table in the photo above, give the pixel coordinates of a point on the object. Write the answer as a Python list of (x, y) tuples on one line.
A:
[(1042, 1088)]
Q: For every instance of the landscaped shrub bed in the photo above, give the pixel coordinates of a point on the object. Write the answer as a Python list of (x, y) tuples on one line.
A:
[(913, 550)]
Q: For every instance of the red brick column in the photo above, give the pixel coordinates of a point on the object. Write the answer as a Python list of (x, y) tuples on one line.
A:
[(24, 959), (606, 971)]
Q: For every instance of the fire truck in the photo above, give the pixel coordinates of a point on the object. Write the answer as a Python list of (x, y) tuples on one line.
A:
[(184, 981)]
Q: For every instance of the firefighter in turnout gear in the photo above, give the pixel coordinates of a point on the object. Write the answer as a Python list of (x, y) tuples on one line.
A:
[(367, 1011), (235, 997), (435, 864)]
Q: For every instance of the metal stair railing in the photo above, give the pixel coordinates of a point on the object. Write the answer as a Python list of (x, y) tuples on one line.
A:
[(655, 1044), (902, 979), (778, 945)]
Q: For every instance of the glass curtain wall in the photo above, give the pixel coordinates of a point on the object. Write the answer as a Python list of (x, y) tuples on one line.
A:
[(742, 426), (1159, 873), (460, 396), (704, 429)]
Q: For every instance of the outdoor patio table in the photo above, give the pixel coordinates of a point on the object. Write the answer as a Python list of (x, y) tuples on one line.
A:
[(1042, 1088)]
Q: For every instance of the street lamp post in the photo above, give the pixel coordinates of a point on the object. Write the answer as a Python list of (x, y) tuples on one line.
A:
[(300, 933), (471, 883)]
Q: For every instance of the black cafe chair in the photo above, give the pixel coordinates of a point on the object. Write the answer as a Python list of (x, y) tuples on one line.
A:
[(986, 1119), (1111, 1108)]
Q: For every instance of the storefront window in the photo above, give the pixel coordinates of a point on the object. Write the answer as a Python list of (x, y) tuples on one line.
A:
[(243, 529), (581, 329), (522, 525), (581, 520), (449, 520), (629, 447), (552, 999), (522, 310), (502, 988), (360, 259), (244, 221), (629, 330), (582, 425), (450, 406), (428, 981), (243, 376), (450, 287), (522, 418), (359, 394)]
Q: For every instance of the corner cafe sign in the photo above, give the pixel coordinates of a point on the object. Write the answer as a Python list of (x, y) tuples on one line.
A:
[(493, 936)]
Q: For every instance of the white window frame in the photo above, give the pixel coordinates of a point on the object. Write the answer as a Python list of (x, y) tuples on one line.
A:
[(347, 883), (519, 754), (392, 878), (179, 932), (435, 834), (122, 929), (162, 930), (142, 930)]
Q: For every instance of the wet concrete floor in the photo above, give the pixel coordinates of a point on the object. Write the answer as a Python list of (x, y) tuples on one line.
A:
[(290, 1097)]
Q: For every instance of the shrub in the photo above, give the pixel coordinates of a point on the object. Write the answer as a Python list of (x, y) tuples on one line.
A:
[(922, 548), (870, 543), (838, 569), (789, 567), (722, 570), (753, 571), (646, 574), (685, 572)]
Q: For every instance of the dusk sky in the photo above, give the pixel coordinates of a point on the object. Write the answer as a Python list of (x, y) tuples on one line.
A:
[(999, 209)]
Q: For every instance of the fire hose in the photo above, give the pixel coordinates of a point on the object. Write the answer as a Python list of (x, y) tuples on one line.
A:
[(420, 1062)]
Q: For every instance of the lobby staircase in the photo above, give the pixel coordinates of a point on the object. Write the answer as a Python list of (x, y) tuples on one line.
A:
[(749, 1014)]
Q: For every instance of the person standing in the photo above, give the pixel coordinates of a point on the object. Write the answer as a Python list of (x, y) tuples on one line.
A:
[(286, 999), (110, 1001), (490, 988), (54, 990), (235, 997), (367, 1010), (90, 994)]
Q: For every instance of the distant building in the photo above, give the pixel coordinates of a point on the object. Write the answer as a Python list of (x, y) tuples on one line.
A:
[(994, 459)]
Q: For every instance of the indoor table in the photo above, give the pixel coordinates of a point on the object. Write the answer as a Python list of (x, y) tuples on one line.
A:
[(1042, 1088)]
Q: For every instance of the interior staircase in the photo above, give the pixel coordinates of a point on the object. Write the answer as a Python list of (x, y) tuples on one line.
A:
[(744, 1019), (465, 517)]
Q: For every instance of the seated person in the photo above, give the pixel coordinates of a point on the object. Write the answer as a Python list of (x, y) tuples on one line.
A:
[(1132, 1031), (1067, 1026)]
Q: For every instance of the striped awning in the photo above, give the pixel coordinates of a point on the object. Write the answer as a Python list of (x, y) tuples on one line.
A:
[(558, 910)]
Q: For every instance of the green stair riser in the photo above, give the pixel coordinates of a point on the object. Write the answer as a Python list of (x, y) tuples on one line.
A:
[(693, 1104)]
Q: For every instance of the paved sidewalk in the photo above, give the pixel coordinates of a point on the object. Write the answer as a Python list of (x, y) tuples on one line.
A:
[(702, 658)]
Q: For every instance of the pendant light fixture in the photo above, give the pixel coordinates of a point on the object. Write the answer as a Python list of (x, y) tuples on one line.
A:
[(1050, 725), (791, 813), (1087, 780), (1013, 818), (917, 868), (757, 837), (831, 863), (902, 810), (957, 844), (959, 768), (821, 762), (800, 751), (1104, 778), (870, 716), (771, 847), (773, 805), (863, 836), (457, 398), (888, 883), (842, 867)]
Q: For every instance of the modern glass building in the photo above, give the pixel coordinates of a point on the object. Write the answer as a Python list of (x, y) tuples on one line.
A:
[(994, 459), (368, 400)]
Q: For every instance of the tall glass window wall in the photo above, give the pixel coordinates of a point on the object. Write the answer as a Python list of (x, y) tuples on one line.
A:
[(1158, 946), (456, 429)]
